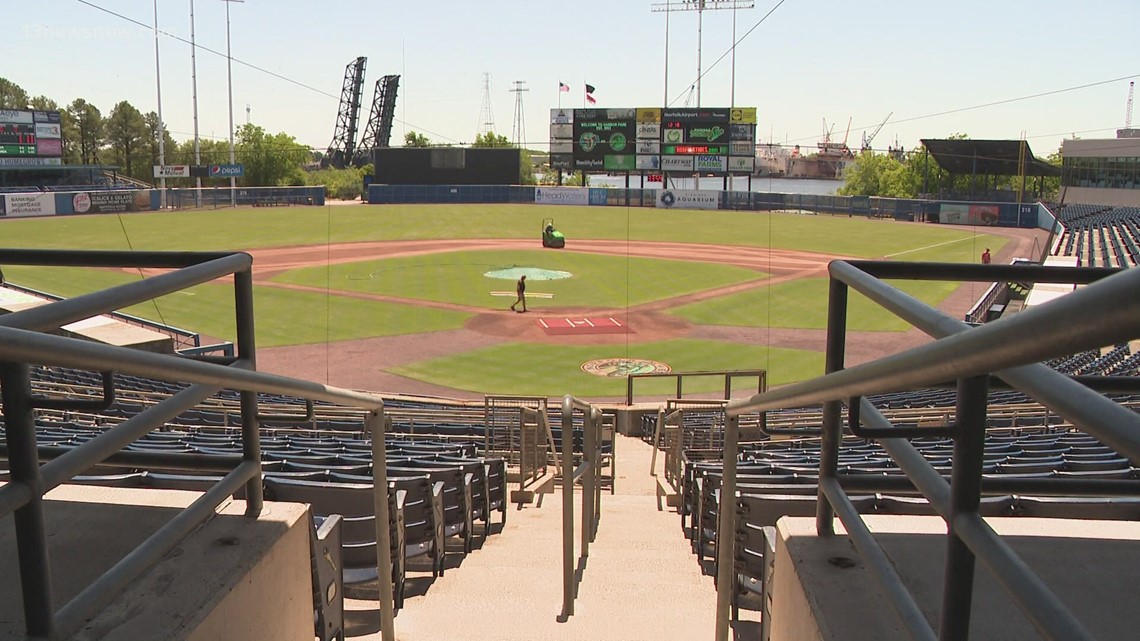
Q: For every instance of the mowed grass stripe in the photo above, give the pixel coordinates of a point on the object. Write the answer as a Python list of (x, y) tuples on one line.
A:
[(283, 317), (250, 228), (550, 370), (459, 277)]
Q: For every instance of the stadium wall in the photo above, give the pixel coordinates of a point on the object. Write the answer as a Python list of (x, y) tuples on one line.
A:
[(115, 201), (1026, 215)]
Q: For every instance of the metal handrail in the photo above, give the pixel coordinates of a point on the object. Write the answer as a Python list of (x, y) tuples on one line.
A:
[(21, 344), (587, 471), (728, 375), (1110, 311)]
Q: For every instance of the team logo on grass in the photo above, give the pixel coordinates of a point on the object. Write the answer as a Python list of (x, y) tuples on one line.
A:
[(622, 367)]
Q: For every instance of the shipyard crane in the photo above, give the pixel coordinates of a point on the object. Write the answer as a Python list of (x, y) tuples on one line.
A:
[(867, 139), (1128, 106)]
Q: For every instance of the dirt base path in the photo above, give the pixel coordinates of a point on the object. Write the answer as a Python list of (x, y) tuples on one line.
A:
[(360, 363)]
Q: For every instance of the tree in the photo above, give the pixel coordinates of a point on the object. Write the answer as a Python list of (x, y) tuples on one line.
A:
[(12, 95), (89, 130), (127, 134), (491, 139), (270, 160), (526, 168), (155, 129), (412, 139)]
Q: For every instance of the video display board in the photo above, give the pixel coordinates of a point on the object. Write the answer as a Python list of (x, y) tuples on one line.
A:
[(30, 135), (604, 139), (708, 140)]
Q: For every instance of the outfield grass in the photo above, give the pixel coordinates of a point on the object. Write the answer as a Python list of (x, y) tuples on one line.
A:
[(802, 304), (250, 228), (546, 370), (283, 317), (459, 277)]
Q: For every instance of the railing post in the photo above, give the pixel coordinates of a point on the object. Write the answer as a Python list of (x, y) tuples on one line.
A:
[(567, 506), (726, 526), (680, 386), (965, 495), (832, 429), (31, 530), (656, 440), (589, 462), (375, 424), (246, 351)]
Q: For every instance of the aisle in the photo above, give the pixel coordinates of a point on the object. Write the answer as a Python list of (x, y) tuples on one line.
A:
[(641, 581)]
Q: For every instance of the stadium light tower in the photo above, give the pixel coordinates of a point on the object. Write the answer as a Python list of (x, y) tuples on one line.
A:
[(230, 82), (700, 6), (161, 124), (194, 98)]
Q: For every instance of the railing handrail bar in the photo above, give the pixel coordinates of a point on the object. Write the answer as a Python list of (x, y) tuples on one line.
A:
[(994, 346), (52, 316), (25, 346)]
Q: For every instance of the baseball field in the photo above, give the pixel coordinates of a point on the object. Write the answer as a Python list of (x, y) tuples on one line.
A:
[(416, 299)]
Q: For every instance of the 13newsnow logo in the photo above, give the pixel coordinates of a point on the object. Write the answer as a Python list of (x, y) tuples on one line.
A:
[(667, 199)]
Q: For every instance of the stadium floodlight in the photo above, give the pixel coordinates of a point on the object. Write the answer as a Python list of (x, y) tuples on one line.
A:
[(700, 6), (161, 124), (230, 83)]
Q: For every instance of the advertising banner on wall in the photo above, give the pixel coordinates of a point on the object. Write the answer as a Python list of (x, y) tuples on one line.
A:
[(649, 131), (741, 164), (652, 163), (688, 199), (648, 147), (171, 171), (958, 214), (48, 130), (713, 164), (677, 163), (562, 195), (110, 202), (21, 205)]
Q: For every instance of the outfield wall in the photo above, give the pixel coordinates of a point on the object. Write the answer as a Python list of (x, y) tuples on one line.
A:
[(116, 201), (1026, 215)]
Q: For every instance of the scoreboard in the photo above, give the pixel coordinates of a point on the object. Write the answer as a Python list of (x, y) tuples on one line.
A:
[(31, 135), (704, 140)]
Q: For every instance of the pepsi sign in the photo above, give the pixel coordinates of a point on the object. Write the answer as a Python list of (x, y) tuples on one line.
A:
[(227, 171)]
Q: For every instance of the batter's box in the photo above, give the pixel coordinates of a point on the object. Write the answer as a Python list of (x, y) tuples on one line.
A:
[(582, 325)]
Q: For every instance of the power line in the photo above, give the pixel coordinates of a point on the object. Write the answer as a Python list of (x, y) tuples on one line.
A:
[(726, 53)]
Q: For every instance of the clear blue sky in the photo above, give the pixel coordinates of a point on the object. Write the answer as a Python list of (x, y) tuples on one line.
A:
[(810, 60)]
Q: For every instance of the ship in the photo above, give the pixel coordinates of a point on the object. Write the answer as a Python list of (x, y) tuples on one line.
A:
[(827, 163)]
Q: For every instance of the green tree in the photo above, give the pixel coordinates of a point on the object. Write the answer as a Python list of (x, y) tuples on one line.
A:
[(154, 130), (12, 95), (127, 135), (89, 130), (491, 139), (412, 139), (526, 168), (270, 160)]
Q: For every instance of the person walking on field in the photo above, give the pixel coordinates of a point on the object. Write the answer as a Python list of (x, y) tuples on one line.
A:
[(520, 290), (986, 256)]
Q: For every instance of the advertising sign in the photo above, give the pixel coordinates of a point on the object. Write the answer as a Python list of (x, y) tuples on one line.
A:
[(48, 130), (949, 214), (741, 164), (743, 115), (741, 148), (563, 131), (19, 117), (712, 164), (20, 205), (172, 171), (687, 199), (677, 163), (650, 130), (562, 195), (49, 147), (648, 114), (561, 161), (561, 116), (648, 147), (46, 116), (623, 162), (742, 132), (110, 202), (561, 147), (30, 162), (651, 163), (227, 171)]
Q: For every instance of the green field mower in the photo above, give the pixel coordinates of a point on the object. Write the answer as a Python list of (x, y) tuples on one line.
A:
[(551, 237)]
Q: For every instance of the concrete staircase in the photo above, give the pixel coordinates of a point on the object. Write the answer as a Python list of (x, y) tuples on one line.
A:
[(641, 580)]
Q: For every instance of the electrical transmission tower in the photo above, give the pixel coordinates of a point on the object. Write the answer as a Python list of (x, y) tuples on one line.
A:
[(486, 116), (518, 129)]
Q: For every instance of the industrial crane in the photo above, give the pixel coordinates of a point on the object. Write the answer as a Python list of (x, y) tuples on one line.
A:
[(867, 139)]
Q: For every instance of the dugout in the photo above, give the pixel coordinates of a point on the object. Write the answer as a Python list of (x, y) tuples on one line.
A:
[(983, 162), (446, 166)]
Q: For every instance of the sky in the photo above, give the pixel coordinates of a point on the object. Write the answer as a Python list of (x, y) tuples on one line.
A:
[(809, 61)]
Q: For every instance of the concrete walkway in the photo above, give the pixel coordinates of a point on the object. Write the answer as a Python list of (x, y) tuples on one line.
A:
[(641, 580)]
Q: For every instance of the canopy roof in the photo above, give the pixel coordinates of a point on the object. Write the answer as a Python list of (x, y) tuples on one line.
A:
[(987, 157)]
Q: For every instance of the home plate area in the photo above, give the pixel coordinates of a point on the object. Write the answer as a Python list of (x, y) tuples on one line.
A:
[(582, 325)]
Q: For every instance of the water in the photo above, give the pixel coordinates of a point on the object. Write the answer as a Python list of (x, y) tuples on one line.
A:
[(736, 183)]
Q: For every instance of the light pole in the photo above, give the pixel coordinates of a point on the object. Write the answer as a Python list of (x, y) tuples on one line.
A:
[(700, 6), (194, 97), (161, 124), (230, 82)]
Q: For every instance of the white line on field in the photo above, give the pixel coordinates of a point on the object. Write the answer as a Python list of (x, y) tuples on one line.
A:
[(918, 249)]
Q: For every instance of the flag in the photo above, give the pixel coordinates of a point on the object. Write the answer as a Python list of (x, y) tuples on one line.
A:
[(589, 88), (590, 99), (563, 86)]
